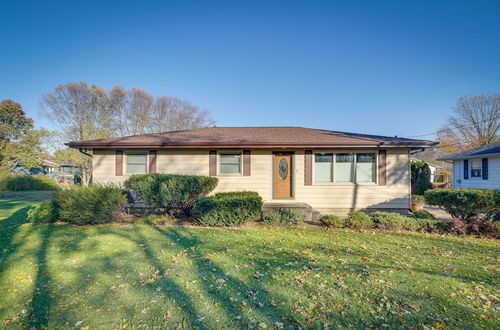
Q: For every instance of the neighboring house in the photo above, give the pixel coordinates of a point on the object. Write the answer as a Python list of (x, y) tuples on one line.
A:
[(333, 172), (476, 168), (435, 169), (49, 166)]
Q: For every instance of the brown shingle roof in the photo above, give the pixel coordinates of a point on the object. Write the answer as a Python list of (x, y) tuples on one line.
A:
[(251, 137)]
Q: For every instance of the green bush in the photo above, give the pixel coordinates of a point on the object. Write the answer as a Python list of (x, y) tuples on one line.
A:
[(422, 214), (391, 221), (11, 182), (333, 221), (284, 217), (90, 205), (45, 212), (228, 209), (468, 205), (425, 220), (359, 220), (170, 192)]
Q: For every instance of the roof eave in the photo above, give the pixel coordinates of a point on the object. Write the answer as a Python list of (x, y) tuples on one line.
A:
[(468, 157), (417, 145)]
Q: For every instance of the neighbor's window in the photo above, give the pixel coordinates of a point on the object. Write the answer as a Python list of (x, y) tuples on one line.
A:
[(344, 167), (137, 163), (323, 167), (230, 163), (365, 167), (476, 166)]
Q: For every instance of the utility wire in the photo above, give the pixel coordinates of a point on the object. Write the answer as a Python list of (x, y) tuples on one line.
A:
[(460, 126)]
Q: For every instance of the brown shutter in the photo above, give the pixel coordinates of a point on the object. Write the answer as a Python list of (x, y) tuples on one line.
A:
[(382, 167), (247, 163), (212, 163), (152, 161), (119, 162), (308, 168)]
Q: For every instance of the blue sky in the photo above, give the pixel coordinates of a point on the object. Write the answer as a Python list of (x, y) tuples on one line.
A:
[(380, 67)]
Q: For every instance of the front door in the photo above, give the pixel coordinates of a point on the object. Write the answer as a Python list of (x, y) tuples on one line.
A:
[(282, 175)]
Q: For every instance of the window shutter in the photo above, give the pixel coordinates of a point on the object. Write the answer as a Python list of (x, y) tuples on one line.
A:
[(485, 168), (466, 168), (247, 163), (308, 168), (382, 167), (212, 163), (119, 162), (152, 161)]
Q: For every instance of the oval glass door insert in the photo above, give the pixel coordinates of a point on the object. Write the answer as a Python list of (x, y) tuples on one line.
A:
[(283, 169)]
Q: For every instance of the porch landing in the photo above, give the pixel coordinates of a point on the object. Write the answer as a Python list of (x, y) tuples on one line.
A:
[(310, 212)]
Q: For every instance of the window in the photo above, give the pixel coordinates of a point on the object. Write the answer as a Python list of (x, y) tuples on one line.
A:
[(344, 169), (365, 167), (323, 167), (475, 169), (230, 163), (137, 163)]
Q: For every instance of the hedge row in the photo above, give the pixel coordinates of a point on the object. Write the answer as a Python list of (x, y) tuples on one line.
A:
[(418, 221), (228, 209), (13, 182)]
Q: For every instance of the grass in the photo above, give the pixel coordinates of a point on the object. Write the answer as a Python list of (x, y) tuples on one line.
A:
[(133, 276), (27, 194)]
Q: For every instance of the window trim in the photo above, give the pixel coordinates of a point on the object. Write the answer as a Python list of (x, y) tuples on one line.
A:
[(335, 183), (229, 152), (127, 153)]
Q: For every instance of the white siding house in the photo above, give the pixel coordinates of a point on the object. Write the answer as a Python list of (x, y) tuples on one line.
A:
[(477, 168)]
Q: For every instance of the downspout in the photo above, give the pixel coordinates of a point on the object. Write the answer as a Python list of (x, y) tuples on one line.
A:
[(84, 152)]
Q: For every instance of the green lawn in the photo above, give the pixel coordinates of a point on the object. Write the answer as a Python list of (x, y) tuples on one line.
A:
[(114, 276)]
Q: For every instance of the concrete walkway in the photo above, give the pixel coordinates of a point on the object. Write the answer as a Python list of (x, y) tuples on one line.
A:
[(438, 213)]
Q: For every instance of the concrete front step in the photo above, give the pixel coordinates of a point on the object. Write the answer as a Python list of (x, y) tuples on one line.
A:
[(310, 212)]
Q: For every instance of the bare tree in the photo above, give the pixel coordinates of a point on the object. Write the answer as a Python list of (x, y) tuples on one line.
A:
[(475, 122), (78, 112), (172, 114), (82, 112)]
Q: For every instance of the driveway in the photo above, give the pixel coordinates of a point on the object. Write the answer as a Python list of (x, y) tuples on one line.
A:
[(438, 213)]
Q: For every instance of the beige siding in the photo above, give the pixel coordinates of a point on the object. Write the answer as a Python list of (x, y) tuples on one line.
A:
[(324, 197)]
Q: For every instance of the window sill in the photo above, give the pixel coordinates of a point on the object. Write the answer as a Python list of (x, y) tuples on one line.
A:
[(230, 175), (345, 184)]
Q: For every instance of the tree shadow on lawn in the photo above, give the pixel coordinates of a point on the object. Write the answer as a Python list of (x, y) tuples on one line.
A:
[(41, 303), (259, 296), (9, 227)]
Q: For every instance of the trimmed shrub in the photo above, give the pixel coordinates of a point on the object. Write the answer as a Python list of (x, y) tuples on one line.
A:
[(284, 217), (90, 205), (468, 205), (391, 221), (422, 214), (228, 209), (359, 220), (333, 221), (170, 192), (12, 182), (45, 212)]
